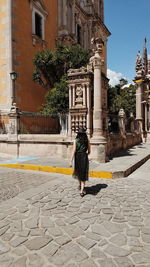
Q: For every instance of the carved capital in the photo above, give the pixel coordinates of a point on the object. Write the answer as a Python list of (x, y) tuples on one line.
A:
[(97, 44)]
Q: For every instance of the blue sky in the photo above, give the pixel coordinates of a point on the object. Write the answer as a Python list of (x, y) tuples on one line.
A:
[(129, 23)]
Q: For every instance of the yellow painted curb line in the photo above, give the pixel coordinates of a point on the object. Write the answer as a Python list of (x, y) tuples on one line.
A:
[(67, 171)]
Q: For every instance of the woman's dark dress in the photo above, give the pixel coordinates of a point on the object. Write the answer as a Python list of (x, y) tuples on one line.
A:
[(81, 162)]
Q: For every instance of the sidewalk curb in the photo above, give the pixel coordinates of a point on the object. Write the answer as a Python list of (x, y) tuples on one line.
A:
[(128, 171), (66, 171)]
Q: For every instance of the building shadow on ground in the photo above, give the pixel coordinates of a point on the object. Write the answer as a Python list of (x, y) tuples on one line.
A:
[(95, 189), (121, 153), (125, 152)]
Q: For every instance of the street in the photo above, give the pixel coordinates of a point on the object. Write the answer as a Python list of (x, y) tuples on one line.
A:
[(44, 222)]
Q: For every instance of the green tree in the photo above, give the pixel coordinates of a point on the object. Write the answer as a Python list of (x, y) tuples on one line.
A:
[(57, 99), (122, 97), (50, 71)]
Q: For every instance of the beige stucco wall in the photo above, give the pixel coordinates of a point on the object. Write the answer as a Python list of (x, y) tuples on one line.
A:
[(5, 54)]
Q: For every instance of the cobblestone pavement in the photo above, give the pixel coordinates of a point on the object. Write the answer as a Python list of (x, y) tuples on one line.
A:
[(12, 182), (48, 223)]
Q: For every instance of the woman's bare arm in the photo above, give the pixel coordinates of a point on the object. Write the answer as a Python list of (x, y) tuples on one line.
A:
[(89, 148), (72, 154)]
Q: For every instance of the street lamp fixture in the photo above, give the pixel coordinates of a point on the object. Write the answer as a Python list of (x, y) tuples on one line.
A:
[(13, 76)]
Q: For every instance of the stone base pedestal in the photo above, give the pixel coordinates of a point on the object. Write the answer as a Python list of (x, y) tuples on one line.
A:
[(139, 125), (98, 149)]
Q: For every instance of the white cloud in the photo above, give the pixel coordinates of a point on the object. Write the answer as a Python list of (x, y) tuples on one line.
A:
[(114, 77), (127, 85)]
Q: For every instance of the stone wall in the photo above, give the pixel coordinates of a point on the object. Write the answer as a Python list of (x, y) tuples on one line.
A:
[(61, 146), (36, 145), (116, 142)]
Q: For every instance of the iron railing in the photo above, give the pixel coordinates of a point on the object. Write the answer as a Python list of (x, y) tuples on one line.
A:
[(36, 123)]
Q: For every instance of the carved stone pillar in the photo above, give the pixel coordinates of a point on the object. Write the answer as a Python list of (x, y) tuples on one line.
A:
[(98, 141), (89, 114), (70, 99), (139, 118), (139, 102), (139, 76), (60, 13), (73, 18), (84, 95), (73, 95), (97, 122), (64, 12), (145, 107), (97, 112)]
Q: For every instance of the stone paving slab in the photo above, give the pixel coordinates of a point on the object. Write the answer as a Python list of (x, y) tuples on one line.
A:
[(121, 165), (51, 225)]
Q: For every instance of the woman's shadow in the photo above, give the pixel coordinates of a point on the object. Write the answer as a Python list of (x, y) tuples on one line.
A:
[(95, 189)]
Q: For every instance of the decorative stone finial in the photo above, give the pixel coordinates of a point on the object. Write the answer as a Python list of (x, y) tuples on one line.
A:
[(121, 113), (139, 65)]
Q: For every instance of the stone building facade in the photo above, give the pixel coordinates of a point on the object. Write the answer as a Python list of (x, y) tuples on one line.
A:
[(142, 81), (31, 25)]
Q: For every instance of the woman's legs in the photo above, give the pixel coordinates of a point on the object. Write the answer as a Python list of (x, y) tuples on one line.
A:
[(82, 187), (79, 184)]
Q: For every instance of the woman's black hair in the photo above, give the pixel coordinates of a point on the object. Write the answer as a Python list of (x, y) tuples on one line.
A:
[(82, 137)]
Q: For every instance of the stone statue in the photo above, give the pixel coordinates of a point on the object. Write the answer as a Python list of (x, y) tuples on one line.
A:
[(121, 122), (132, 127)]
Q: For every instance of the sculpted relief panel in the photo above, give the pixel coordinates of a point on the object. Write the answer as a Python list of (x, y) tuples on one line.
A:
[(79, 96)]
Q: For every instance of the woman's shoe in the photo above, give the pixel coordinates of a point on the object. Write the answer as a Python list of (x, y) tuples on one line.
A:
[(83, 194)]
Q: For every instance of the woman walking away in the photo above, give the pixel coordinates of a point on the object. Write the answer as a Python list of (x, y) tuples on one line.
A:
[(81, 149)]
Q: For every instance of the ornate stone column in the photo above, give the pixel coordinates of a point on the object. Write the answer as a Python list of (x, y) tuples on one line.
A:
[(97, 113), (89, 111), (139, 76), (98, 141), (138, 102), (64, 12), (145, 110)]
